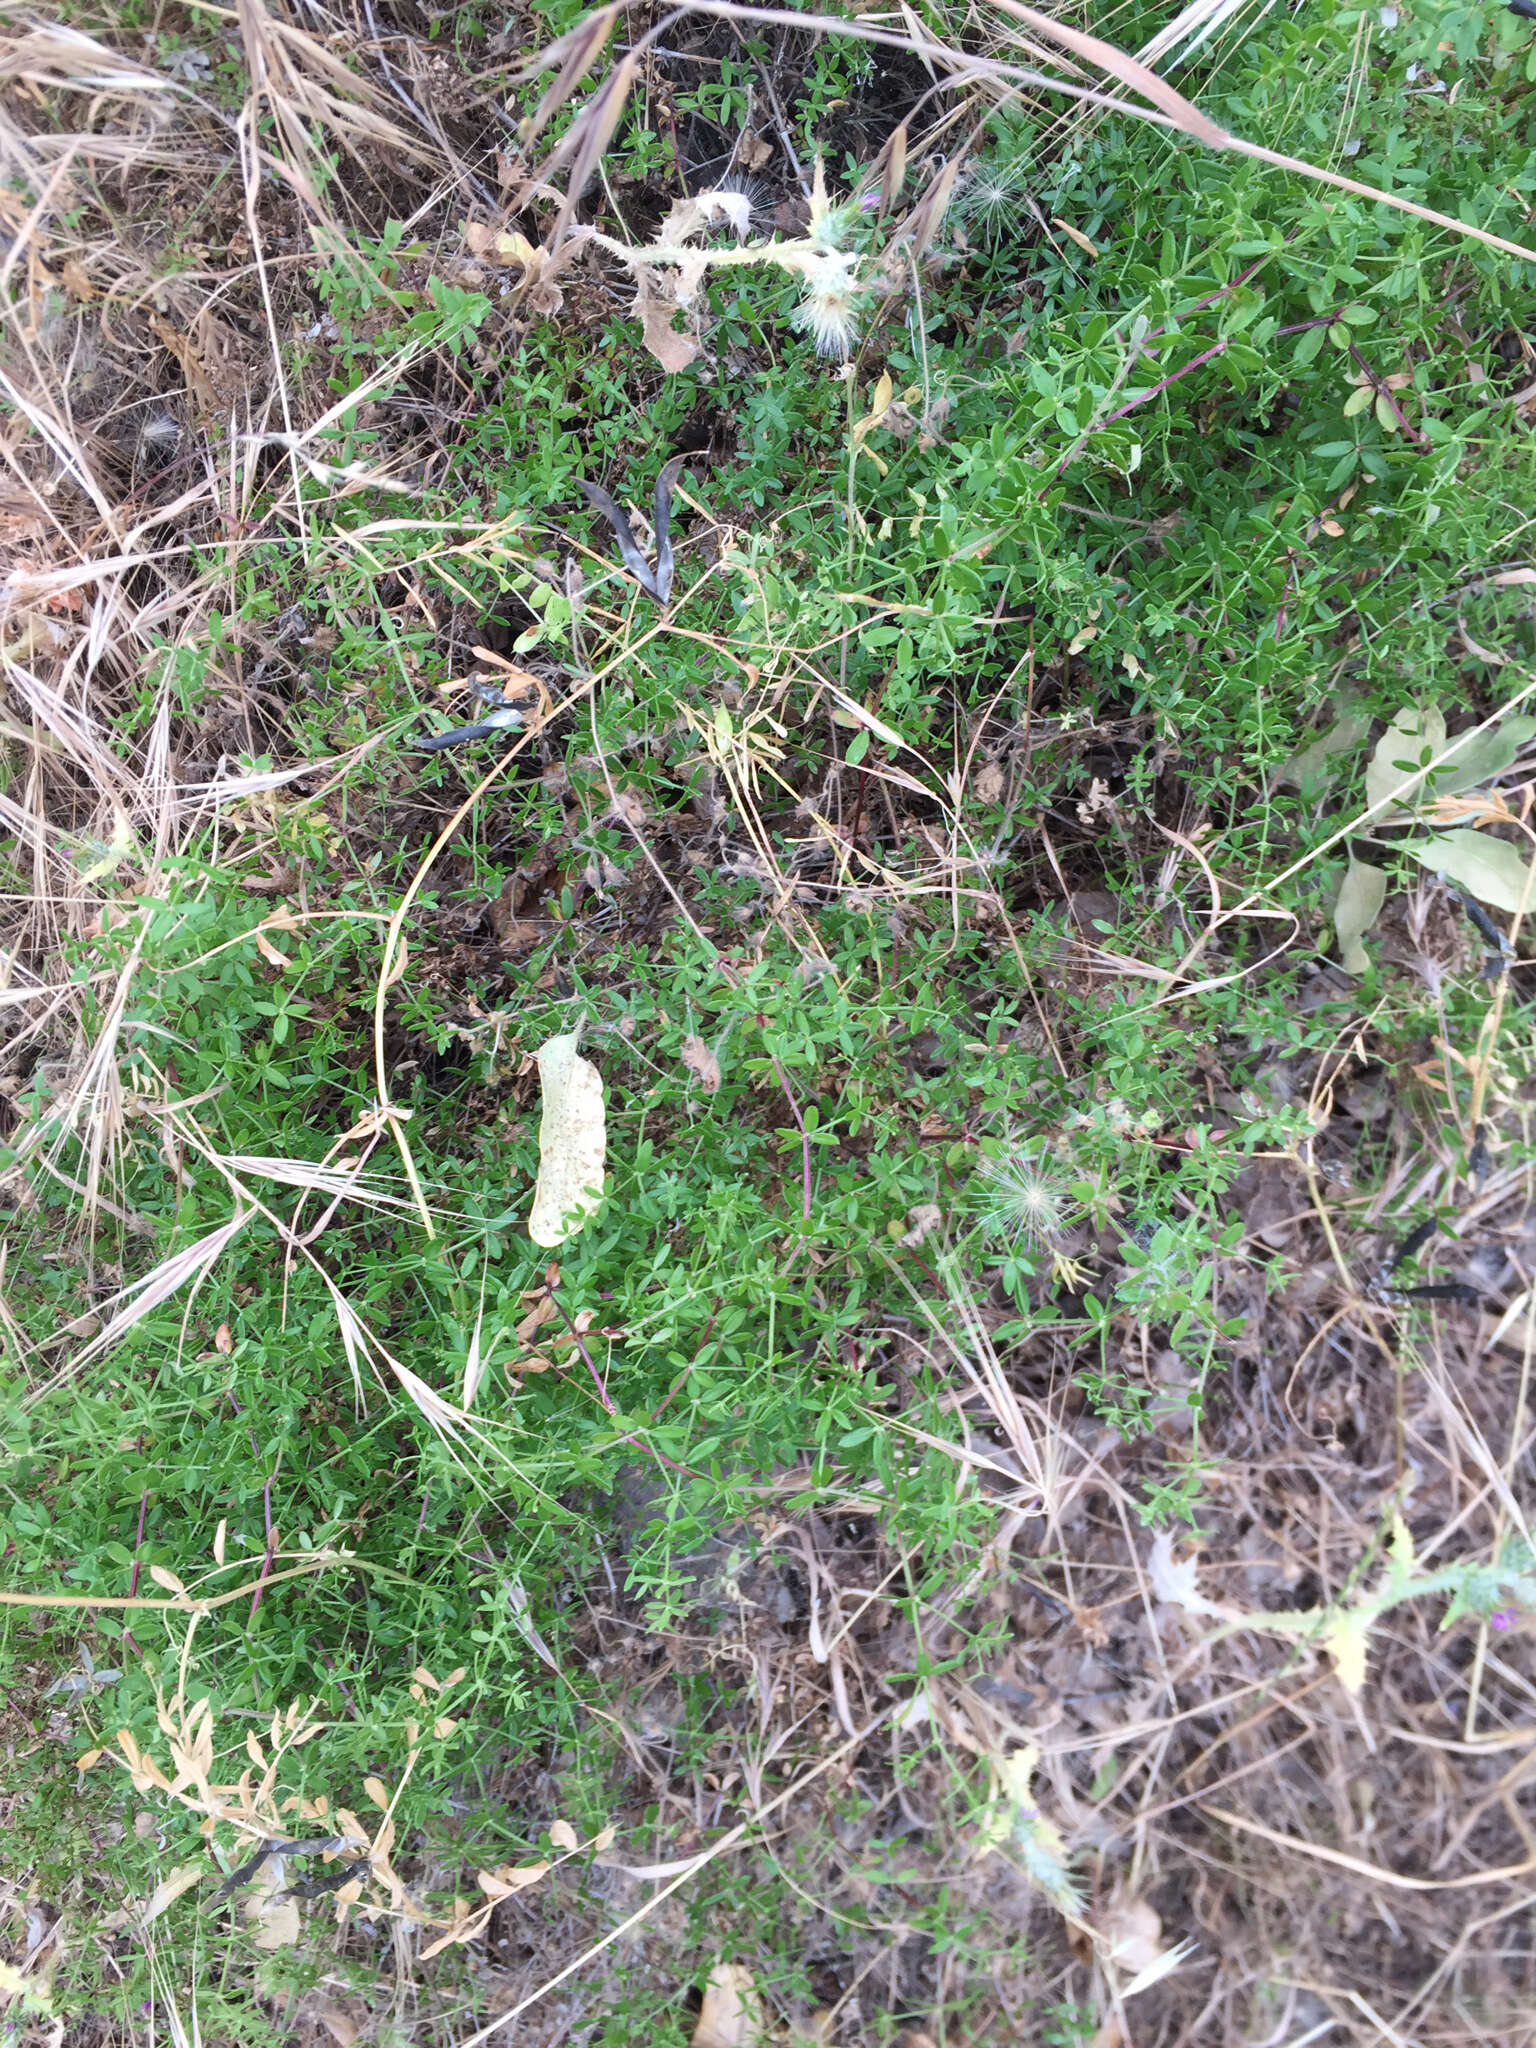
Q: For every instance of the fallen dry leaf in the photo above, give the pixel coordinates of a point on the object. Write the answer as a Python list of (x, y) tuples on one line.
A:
[(990, 783), (1132, 1933), (699, 1060), (732, 2013), (275, 1920), (922, 1222)]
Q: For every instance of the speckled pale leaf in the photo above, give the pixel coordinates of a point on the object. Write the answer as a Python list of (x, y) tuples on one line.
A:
[(1414, 737), (169, 1889), (1346, 1639), (573, 1142), (1495, 872), (732, 2012), (1358, 907)]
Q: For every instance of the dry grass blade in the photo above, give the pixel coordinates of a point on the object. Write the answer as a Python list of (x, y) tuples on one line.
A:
[(64, 60), (589, 137), (307, 88), (1120, 64), (575, 54), (190, 1265)]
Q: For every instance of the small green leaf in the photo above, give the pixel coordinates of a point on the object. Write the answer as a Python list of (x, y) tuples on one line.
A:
[(858, 747), (1357, 401)]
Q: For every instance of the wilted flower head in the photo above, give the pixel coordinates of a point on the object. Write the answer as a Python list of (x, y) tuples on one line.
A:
[(732, 206), (995, 200), (829, 310)]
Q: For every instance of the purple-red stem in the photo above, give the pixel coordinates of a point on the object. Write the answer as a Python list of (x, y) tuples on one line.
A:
[(608, 1407), (266, 1562), (597, 1378), (805, 1141), (1383, 390), (133, 1581), (1220, 348)]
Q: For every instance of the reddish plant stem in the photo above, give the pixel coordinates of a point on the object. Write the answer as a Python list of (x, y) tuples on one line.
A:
[(805, 1141), (1384, 390), (794, 1110), (1219, 348), (266, 1562), (133, 1579), (608, 1407), (575, 1335)]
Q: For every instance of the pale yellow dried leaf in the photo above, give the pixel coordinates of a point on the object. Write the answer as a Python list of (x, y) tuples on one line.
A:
[(573, 1142), (1076, 234), (341, 2027), (167, 1579), (732, 2013), (377, 1791), (563, 1835), (170, 1888), (274, 1921)]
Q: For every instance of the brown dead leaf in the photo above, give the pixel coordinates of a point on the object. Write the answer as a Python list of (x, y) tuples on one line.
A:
[(921, 1224), (990, 783), (699, 1060), (732, 2013), (1075, 234), (542, 1312), (1133, 1933), (657, 310), (341, 2027)]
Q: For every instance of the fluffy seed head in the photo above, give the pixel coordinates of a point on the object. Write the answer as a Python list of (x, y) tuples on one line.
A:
[(993, 203), (1023, 1200), (829, 310)]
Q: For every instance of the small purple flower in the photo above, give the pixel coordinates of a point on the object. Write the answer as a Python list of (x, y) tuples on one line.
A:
[(1504, 1619), (869, 201)]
